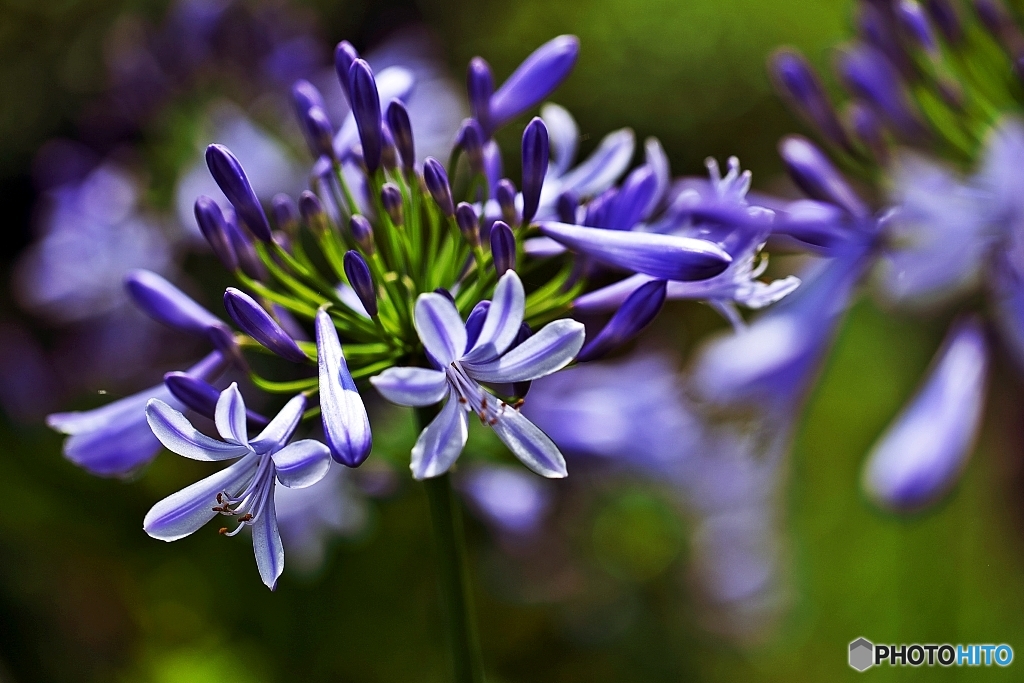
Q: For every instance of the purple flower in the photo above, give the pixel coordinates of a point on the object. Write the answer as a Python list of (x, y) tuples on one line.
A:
[(436, 180), (401, 131), (346, 426), (365, 101), (231, 179), (798, 83), (636, 313), (868, 74), (361, 281), (508, 499), (245, 489), (114, 440), (535, 166), (214, 228), (503, 247), (459, 370), (923, 452), (167, 304)]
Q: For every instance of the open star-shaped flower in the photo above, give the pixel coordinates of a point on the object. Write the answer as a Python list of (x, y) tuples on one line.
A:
[(464, 357), (246, 488)]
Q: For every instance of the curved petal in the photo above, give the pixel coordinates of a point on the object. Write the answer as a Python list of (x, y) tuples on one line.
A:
[(411, 386), (550, 350), (604, 165), (182, 513), (542, 247), (534, 79), (504, 317), (440, 328), (923, 452), (657, 161), (230, 415), (528, 443), (116, 450), (667, 257), (302, 463), (441, 442), (346, 425), (266, 543), (276, 434), (178, 435)]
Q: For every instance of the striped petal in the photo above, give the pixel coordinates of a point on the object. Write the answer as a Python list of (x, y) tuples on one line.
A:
[(441, 442), (178, 435), (302, 463), (411, 386), (440, 328), (550, 350), (266, 543)]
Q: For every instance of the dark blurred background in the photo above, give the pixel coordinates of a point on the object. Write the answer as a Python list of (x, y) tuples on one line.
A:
[(85, 595)]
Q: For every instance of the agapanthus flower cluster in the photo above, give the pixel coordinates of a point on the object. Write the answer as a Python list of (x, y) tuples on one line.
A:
[(934, 90), (414, 275)]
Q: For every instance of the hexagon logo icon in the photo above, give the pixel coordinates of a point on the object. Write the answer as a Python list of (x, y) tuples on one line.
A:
[(862, 654)]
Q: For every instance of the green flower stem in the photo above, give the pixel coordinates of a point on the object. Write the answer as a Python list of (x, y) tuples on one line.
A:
[(453, 573)]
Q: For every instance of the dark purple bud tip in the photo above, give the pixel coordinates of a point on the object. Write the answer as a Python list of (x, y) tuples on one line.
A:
[(945, 16), (506, 195), (321, 133), (401, 133), (470, 139), (814, 174), (344, 55), (480, 87), (286, 214), (446, 294), (252, 319), (312, 212), (214, 228), (231, 179), (366, 111), (165, 303), (916, 26), (362, 232), (466, 218), (521, 389), (503, 248), (795, 80), (536, 153), (566, 206), (437, 185), (391, 198), (201, 397), (636, 313), (475, 322), (358, 274), (536, 78)]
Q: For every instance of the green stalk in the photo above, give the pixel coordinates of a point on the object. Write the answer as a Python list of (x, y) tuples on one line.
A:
[(453, 574)]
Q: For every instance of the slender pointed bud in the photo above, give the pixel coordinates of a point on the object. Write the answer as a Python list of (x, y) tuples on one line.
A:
[(878, 27), (916, 26), (346, 426), (214, 228), (480, 87), (312, 211), (245, 250), (366, 111), (358, 274), (165, 303), (534, 79), (796, 81), (231, 179), (388, 151), (536, 154), (868, 130), (254, 320), (867, 74), (506, 196), (391, 198), (945, 16), (362, 232), (636, 313), (437, 185), (566, 207), (470, 139), (200, 396), (401, 133), (665, 257), (311, 113), (503, 248), (344, 55), (811, 170), (466, 219), (922, 454), (286, 214)]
